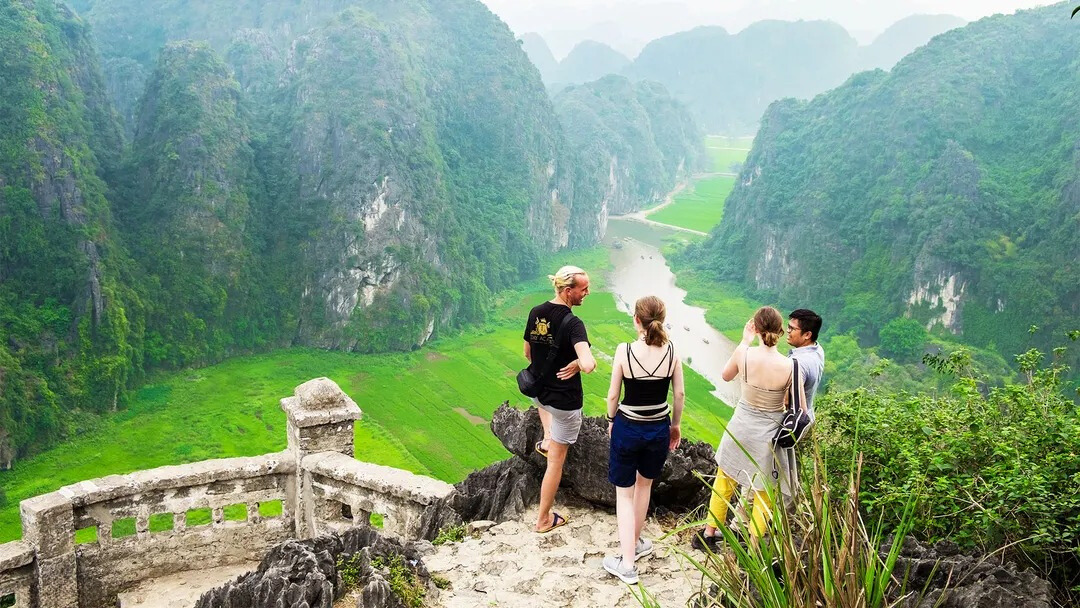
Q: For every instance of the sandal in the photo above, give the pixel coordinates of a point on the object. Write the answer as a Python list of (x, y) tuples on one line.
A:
[(539, 449), (556, 521)]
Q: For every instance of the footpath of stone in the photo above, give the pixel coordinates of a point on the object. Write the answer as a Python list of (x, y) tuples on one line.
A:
[(510, 566)]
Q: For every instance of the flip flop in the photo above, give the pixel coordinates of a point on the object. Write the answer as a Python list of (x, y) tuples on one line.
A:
[(557, 521), (540, 450)]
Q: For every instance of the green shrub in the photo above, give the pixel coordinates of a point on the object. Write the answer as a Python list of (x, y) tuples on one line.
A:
[(350, 567), (991, 468), (403, 580), (902, 338), (451, 534)]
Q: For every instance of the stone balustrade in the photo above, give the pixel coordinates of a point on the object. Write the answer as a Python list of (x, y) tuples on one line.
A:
[(87, 542), (343, 492), (17, 566)]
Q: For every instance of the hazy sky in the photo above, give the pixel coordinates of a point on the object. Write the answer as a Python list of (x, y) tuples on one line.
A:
[(629, 24)]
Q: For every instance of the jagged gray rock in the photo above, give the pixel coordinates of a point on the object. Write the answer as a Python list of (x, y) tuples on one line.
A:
[(499, 492), (304, 574), (971, 581), (585, 474)]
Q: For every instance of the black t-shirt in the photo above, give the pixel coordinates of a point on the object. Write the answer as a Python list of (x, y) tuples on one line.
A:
[(543, 324)]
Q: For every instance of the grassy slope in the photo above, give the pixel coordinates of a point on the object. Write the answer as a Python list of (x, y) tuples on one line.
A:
[(409, 402)]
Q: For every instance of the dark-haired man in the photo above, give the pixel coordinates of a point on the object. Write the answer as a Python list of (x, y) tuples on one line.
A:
[(802, 334)]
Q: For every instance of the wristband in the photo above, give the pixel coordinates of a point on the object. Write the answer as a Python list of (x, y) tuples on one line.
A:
[(610, 418)]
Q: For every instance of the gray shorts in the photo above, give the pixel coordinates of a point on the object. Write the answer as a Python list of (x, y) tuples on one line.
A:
[(565, 424)]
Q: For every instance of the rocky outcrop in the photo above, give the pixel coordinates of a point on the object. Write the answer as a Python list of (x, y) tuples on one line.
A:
[(953, 579), (585, 472), (499, 492), (313, 573)]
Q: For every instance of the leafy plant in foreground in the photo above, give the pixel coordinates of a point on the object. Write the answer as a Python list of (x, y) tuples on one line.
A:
[(818, 552)]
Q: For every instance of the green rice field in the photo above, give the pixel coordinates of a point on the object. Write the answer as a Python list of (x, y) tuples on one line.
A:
[(728, 153), (701, 207), (426, 411)]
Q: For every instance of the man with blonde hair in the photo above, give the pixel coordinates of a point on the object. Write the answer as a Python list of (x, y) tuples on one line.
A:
[(560, 398)]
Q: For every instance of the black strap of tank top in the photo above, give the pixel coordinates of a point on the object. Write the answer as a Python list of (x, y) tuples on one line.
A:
[(630, 353)]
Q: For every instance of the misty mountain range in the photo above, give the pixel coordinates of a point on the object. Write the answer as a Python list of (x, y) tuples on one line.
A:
[(729, 79)]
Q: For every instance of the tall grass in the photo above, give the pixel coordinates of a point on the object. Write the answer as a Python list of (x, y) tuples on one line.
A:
[(818, 552)]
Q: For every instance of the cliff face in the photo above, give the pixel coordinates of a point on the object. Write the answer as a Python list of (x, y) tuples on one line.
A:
[(62, 307), (632, 143), (187, 209)]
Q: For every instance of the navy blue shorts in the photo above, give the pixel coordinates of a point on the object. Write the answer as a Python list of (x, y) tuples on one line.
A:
[(637, 447)]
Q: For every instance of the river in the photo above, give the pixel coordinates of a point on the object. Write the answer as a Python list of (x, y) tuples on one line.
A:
[(639, 269)]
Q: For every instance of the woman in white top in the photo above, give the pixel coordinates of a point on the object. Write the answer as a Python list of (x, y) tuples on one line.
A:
[(746, 456)]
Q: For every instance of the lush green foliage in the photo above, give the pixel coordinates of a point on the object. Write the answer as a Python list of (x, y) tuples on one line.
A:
[(903, 338), (68, 325), (818, 552), (452, 534), (403, 580), (990, 469), (350, 568), (938, 185)]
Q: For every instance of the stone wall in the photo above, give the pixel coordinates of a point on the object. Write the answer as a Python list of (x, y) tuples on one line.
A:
[(87, 542)]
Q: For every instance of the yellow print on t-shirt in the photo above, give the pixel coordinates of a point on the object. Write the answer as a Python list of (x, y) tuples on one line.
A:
[(541, 332)]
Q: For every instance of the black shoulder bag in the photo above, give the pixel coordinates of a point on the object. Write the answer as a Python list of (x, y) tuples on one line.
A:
[(530, 384), (796, 419)]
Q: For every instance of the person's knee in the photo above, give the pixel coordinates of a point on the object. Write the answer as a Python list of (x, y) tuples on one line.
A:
[(557, 453)]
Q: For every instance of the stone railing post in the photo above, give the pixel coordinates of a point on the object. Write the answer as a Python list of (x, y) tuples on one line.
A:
[(320, 419), (48, 524)]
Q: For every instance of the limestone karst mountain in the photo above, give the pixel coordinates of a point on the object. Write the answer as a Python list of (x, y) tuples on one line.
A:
[(189, 210), (540, 55), (632, 143), (588, 61), (727, 80), (903, 37), (63, 270), (945, 190)]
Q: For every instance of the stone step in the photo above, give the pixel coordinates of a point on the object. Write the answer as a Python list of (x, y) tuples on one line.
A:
[(181, 590)]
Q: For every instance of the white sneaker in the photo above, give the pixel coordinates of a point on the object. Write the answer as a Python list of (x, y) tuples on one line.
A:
[(614, 565), (643, 547)]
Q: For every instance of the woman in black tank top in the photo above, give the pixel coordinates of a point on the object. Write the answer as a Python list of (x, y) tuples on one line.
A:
[(643, 427)]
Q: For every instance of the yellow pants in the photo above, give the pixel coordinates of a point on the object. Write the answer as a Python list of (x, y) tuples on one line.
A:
[(723, 489)]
